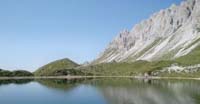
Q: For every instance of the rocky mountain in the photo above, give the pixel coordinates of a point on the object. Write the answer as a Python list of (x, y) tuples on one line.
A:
[(168, 34)]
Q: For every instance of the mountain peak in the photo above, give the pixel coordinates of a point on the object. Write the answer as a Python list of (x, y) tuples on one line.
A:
[(167, 34)]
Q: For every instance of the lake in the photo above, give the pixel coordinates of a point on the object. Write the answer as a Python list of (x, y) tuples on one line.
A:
[(99, 91)]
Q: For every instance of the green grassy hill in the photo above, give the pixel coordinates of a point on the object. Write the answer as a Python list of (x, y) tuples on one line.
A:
[(58, 68), (16, 73)]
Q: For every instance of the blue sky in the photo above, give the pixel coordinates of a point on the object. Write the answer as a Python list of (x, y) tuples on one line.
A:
[(35, 32)]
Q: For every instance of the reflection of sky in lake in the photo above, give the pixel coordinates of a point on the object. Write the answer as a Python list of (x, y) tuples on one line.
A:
[(34, 93), (135, 92)]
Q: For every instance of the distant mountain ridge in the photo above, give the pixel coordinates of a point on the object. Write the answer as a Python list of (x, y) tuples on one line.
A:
[(168, 34)]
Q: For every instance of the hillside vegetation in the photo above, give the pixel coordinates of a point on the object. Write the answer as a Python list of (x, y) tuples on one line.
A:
[(190, 59), (16, 73), (119, 69), (141, 67), (58, 68), (68, 67)]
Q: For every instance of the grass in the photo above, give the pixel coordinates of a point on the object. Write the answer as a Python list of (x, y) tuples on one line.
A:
[(190, 59), (193, 43), (141, 67), (182, 74), (125, 69), (16, 73), (198, 29), (168, 55), (59, 67), (68, 67)]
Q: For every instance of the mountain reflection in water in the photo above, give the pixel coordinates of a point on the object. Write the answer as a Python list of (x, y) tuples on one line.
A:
[(116, 90)]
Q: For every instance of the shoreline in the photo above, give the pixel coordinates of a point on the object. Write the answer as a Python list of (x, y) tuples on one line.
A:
[(79, 77)]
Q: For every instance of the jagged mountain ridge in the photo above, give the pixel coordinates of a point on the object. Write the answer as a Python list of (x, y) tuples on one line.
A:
[(168, 34)]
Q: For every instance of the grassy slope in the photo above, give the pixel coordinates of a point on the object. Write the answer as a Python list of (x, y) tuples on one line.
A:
[(58, 67), (190, 59), (125, 68), (16, 73), (137, 67), (61, 67), (143, 66)]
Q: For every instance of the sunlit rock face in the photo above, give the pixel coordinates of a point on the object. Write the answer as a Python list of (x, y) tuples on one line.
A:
[(168, 34), (154, 93)]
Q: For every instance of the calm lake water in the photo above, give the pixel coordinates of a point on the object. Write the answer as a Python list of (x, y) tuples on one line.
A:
[(99, 91)]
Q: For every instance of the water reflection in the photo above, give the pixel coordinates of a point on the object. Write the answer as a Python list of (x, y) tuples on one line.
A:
[(15, 81), (121, 91), (154, 92), (60, 84)]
